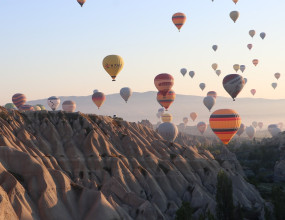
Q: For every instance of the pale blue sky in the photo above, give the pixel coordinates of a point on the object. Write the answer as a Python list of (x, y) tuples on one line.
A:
[(56, 47)]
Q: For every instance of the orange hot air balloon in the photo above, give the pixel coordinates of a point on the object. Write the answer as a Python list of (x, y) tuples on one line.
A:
[(193, 115), (98, 98), (235, 1), (81, 2), (225, 124), (179, 20), (164, 82), (255, 62), (167, 100)]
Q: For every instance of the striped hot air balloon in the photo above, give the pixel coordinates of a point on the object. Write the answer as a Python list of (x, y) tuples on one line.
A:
[(69, 106), (164, 82), (225, 123), (233, 84), (193, 115), (98, 98), (166, 117), (179, 19), (26, 108), (19, 99), (166, 101)]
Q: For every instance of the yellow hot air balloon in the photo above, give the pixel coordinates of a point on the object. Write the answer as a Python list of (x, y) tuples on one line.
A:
[(166, 117), (113, 64), (215, 66), (225, 124), (236, 67)]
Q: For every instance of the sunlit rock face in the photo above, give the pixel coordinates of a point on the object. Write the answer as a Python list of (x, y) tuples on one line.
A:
[(56, 165)]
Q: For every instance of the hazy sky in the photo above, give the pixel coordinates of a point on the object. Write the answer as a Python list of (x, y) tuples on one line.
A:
[(55, 47)]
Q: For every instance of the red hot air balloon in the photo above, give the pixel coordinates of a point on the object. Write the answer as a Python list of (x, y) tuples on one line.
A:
[(164, 82), (179, 19), (98, 98), (19, 99), (166, 101)]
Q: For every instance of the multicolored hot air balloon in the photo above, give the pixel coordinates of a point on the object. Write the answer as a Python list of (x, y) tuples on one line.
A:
[(252, 33), (166, 117), (250, 131), (168, 131), (262, 35), (277, 75), (241, 130), (202, 127), (274, 85), (126, 93), (113, 64), (19, 99), (81, 2), (98, 98), (26, 108), (260, 125), (179, 19), (218, 72), (10, 106), (236, 67), (69, 106), (253, 91), (255, 62), (185, 120), (234, 15), (202, 86), (53, 102), (249, 46), (209, 102), (164, 82), (193, 116), (215, 66), (233, 84), (212, 93), (166, 101), (225, 124), (183, 71), (242, 68), (215, 47), (191, 74)]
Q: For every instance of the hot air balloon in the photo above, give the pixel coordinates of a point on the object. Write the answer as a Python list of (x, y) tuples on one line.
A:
[(202, 86), (158, 115), (233, 84), (53, 102), (225, 124), (95, 90), (250, 131), (254, 124), (19, 99), (164, 83), (126, 93), (10, 106), (236, 67), (280, 125), (161, 111), (235, 1), (262, 35), (193, 116), (242, 68), (113, 64), (218, 72), (277, 75), (253, 91), (245, 80), (166, 101), (241, 130), (260, 125), (215, 66), (37, 108), (209, 102), (69, 106), (255, 62), (274, 85), (41, 106), (191, 74), (252, 33), (234, 15), (202, 127), (215, 47), (81, 2), (183, 71), (168, 131), (179, 20), (166, 117), (273, 130), (185, 120), (249, 46), (98, 98), (26, 108), (212, 93)]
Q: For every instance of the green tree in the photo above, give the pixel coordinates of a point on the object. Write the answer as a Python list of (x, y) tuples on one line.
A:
[(224, 197), (278, 200), (184, 212)]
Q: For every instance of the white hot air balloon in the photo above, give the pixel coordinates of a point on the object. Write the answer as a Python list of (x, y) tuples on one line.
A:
[(168, 131), (53, 102), (126, 93), (250, 131)]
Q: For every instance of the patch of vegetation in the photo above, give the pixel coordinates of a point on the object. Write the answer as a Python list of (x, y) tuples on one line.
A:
[(184, 212)]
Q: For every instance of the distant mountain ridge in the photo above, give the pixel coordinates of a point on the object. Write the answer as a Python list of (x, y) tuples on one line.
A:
[(144, 106)]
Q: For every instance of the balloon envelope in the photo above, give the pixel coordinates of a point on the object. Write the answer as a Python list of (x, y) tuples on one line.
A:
[(26, 108), (193, 116), (255, 62), (81, 2), (241, 130), (166, 117), (215, 66), (225, 124), (274, 130), (236, 67), (179, 19), (215, 47), (233, 84), (183, 71), (212, 93), (113, 64), (252, 33), (218, 72), (245, 80), (10, 106), (249, 46), (185, 120), (253, 91), (234, 16), (235, 1), (191, 74), (209, 102), (19, 99), (254, 124), (277, 75), (202, 127), (69, 106), (166, 101), (98, 98), (126, 93), (262, 35), (274, 85), (168, 131), (53, 102), (242, 68), (202, 86), (164, 82), (250, 131)]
